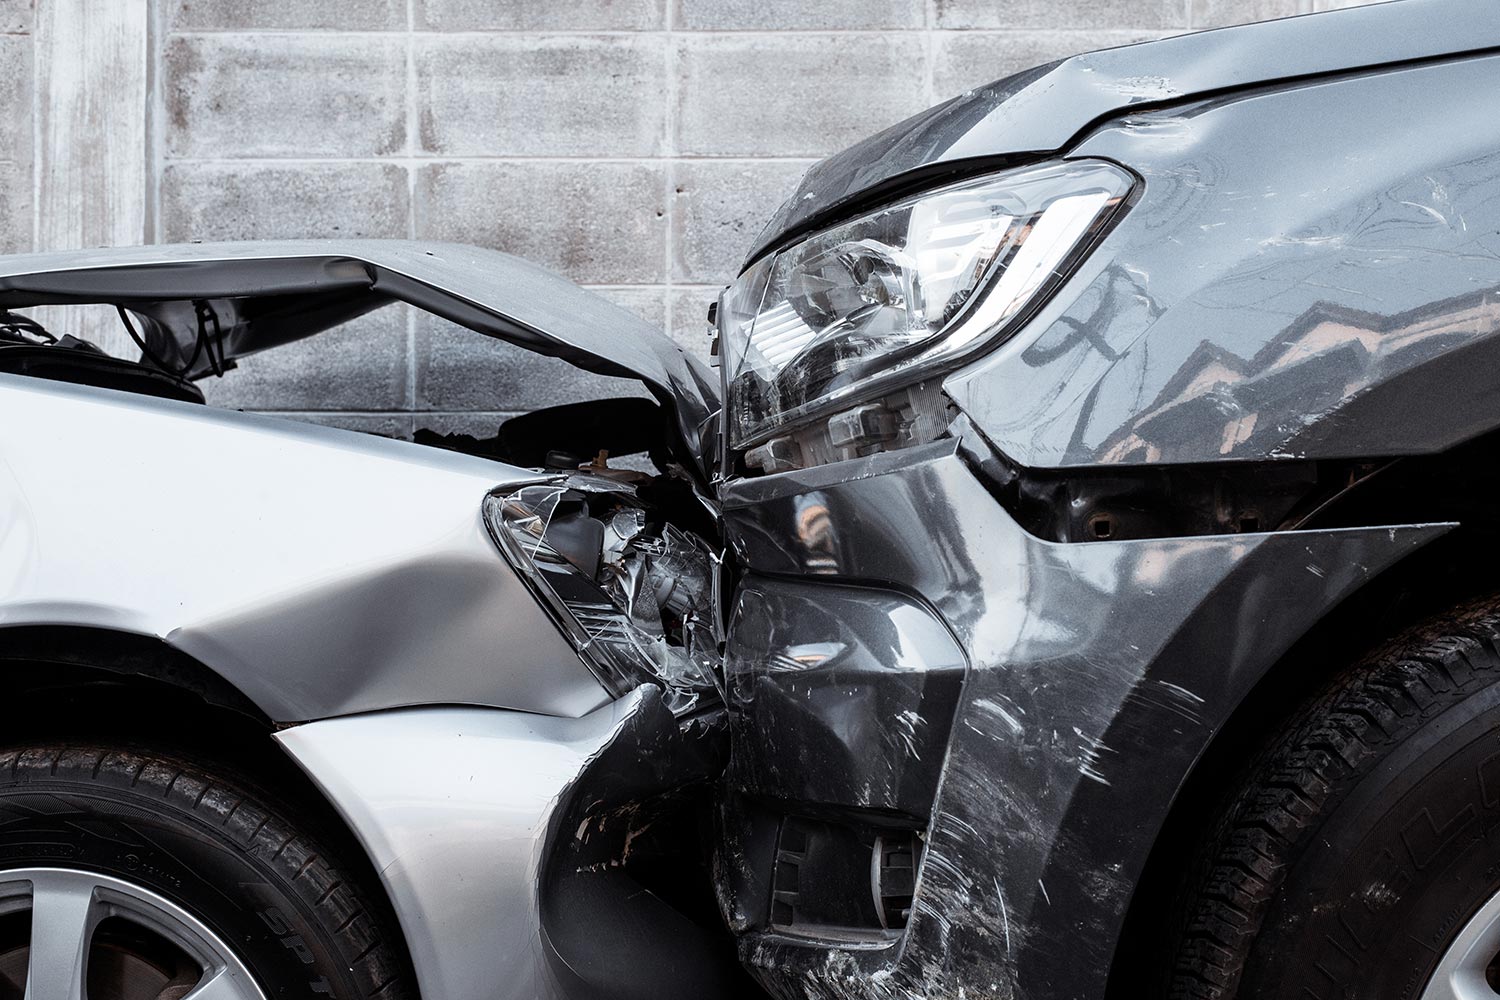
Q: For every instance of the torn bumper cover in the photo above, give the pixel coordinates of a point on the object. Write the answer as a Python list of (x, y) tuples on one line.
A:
[(1029, 799)]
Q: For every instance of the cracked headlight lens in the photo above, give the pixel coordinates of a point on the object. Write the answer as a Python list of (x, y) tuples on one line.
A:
[(854, 308), (639, 600)]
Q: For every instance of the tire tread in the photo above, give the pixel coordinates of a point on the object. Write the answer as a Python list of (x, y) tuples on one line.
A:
[(1362, 715), (348, 912)]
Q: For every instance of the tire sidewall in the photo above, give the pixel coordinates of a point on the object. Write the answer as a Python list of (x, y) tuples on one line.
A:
[(145, 841), (1410, 850)]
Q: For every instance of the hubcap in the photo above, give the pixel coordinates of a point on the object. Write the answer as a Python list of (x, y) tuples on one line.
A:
[(76, 935), (1467, 969)]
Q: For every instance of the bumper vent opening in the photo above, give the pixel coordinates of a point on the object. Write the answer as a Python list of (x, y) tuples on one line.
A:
[(835, 880)]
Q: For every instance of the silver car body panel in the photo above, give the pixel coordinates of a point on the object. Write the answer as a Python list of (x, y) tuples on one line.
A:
[(453, 807), (321, 572)]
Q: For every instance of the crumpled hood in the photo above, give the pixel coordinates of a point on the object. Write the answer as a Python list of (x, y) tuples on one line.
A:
[(1043, 110), (266, 293)]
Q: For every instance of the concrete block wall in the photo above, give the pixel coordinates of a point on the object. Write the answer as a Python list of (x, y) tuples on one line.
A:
[(634, 145)]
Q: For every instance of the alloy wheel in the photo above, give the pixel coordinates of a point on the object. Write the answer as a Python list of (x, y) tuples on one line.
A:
[(1468, 969), (78, 935)]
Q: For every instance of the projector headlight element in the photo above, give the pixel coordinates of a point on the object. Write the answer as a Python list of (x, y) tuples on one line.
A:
[(878, 300)]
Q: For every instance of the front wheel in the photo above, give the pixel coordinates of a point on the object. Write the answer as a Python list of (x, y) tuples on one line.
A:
[(141, 876), (1361, 858)]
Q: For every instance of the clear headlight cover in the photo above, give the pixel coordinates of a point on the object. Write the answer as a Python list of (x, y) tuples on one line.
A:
[(853, 308)]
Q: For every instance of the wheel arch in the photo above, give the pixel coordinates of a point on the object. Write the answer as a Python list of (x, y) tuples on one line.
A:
[(36, 658), (103, 684), (1448, 571)]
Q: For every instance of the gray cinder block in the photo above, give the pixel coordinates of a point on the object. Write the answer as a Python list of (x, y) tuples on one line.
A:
[(339, 15), (271, 95), (771, 15), (559, 95), (599, 223), (361, 365), (458, 369), (1150, 14), (541, 15), (221, 201), (719, 207), (795, 94)]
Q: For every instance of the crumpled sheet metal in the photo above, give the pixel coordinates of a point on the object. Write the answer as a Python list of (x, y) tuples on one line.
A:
[(839, 696), (606, 935), (1095, 669), (456, 808), (266, 293), (650, 605)]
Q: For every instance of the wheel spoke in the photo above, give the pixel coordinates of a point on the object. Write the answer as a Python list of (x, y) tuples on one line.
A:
[(69, 906), (223, 985), (1461, 972), (64, 914), (1459, 984)]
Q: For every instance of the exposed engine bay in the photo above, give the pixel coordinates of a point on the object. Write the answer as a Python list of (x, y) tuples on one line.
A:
[(28, 348)]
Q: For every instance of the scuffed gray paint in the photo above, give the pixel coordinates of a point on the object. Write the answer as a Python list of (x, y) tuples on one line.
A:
[(1261, 302), (1098, 673)]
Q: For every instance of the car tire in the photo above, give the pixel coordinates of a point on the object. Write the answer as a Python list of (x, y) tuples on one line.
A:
[(186, 872), (1366, 836)]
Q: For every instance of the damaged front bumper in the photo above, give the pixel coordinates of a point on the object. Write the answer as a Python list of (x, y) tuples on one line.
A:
[(506, 841), (913, 679)]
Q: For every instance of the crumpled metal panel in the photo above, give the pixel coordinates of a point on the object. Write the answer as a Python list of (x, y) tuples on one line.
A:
[(1042, 110), (839, 695), (492, 834), (1262, 302), (269, 292), (1098, 673)]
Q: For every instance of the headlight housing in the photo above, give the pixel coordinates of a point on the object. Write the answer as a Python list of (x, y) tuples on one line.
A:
[(855, 308), (638, 597)]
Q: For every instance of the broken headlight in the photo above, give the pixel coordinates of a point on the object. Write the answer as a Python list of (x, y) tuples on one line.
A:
[(853, 309), (638, 598)]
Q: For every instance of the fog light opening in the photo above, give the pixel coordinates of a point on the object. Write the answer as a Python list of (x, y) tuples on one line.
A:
[(893, 877)]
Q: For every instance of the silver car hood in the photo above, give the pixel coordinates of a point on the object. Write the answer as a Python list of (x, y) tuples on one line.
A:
[(267, 293)]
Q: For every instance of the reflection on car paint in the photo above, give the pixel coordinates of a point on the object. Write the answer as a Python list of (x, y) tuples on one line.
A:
[(1087, 681)]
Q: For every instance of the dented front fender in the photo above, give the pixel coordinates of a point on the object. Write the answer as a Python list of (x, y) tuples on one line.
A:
[(1097, 674)]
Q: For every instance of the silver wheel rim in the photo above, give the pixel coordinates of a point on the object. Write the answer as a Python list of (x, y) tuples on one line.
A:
[(1462, 972), (67, 907)]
